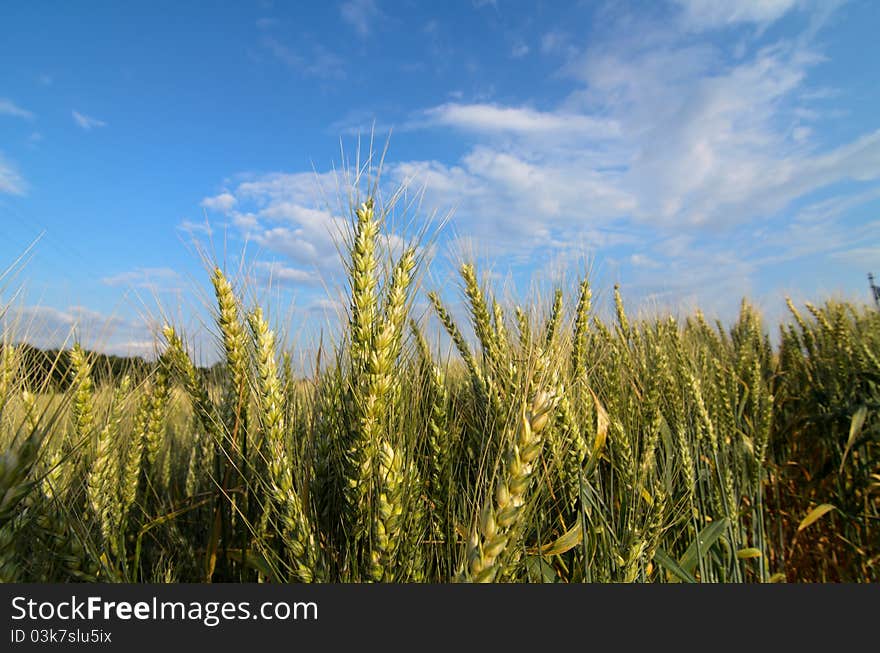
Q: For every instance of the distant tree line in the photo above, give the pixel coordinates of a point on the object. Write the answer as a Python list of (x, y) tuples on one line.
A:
[(51, 369)]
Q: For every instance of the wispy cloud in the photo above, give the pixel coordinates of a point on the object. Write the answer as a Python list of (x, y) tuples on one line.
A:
[(519, 50), (9, 108), (283, 53), (153, 279), (867, 258), (710, 14), (829, 210), (673, 133), (711, 143), (11, 182), (360, 14), (192, 228), (360, 122), (87, 122), (557, 42), (643, 261), (320, 62)]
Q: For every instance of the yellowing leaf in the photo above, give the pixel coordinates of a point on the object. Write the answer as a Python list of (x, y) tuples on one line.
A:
[(855, 427), (749, 553), (565, 542), (815, 514)]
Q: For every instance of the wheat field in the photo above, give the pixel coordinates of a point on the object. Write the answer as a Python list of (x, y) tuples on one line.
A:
[(545, 445)]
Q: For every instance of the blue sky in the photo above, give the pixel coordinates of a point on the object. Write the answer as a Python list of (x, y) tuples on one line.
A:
[(692, 151)]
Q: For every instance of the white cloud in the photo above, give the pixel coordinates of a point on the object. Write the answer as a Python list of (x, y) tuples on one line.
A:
[(690, 138), (294, 188), (710, 14), (154, 279), (299, 223), (671, 136), (222, 203), (9, 108), (701, 146), (286, 214), (515, 204), (276, 273), (487, 118), (684, 152), (11, 182), (360, 14), (87, 122), (715, 153)]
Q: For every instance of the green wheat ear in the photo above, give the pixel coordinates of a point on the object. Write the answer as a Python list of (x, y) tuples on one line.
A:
[(235, 348), (106, 471), (581, 329), (294, 526), (83, 396), (502, 511)]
